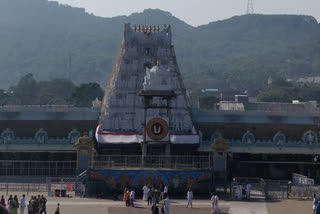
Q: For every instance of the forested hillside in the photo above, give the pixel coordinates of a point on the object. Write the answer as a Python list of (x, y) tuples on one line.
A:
[(51, 41)]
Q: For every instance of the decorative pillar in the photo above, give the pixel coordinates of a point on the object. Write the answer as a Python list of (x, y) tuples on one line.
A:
[(85, 153), (144, 152), (219, 152)]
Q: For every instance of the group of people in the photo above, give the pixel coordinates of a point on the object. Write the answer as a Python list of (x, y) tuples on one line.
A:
[(129, 197), (13, 204), (159, 199), (164, 205), (36, 205), (242, 192), (152, 195), (155, 196), (214, 202)]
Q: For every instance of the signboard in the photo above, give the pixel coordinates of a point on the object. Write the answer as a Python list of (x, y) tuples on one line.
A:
[(157, 129)]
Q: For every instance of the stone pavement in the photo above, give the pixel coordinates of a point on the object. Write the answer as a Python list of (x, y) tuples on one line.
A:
[(245, 207), (86, 206), (100, 206)]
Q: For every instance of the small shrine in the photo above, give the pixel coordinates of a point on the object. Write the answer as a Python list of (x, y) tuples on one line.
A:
[(85, 151)]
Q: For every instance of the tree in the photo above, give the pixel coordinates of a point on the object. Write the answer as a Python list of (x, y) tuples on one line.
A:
[(85, 94), (273, 94), (3, 96), (26, 89), (56, 91)]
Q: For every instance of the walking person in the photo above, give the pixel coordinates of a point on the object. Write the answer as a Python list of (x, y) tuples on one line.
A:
[(57, 209), (315, 202), (3, 201), (22, 204), (42, 205), (150, 193), (128, 198), (37, 204), (166, 190), (30, 206), (248, 190), (154, 196), (166, 204), (34, 204), (124, 197), (317, 208), (145, 190), (14, 205), (154, 209), (9, 203), (132, 197), (215, 204), (239, 192), (3, 209), (189, 198)]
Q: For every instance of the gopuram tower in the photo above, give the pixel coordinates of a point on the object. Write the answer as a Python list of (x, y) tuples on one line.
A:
[(145, 105)]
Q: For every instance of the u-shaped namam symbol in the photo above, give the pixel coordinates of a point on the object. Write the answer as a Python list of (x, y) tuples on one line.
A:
[(157, 129)]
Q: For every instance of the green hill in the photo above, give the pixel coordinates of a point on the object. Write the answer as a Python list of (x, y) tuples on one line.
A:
[(58, 41)]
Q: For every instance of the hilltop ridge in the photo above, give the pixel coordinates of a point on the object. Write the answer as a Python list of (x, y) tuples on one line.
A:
[(52, 40)]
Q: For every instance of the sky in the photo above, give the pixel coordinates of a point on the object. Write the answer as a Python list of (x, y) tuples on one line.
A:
[(198, 12)]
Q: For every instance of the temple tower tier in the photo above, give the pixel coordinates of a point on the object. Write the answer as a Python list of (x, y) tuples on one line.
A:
[(145, 100)]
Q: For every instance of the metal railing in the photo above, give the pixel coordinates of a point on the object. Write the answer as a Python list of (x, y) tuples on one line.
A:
[(37, 168), (152, 161), (37, 184), (46, 108)]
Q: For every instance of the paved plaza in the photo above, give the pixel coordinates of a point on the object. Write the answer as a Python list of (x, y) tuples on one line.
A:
[(74, 205), (118, 207)]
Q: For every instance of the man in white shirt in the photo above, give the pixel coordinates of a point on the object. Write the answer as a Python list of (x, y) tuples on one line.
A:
[(145, 190), (189, 198), (166, 204), (215, 204), (239, 192), (22, 204), (216, 198), (165, 190), (132, 196)]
